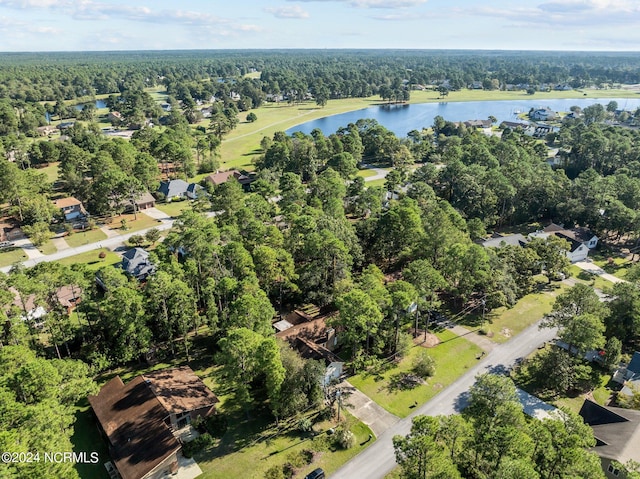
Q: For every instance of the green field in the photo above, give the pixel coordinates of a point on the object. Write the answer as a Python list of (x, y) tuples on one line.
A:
[(85, 237), (48, 248), (366, 173), (175, 208), (141, 223), (591, 279), (51, 171), (504, 323), (9, 256), (92, 259), (453, 356), (379, 182)]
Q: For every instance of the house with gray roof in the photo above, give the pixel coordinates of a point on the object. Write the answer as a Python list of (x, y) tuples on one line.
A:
[(629, 376), (617, 433), (136, 263), (173, 189)]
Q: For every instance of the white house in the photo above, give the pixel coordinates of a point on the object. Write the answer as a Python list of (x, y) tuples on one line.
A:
[(581, 240)]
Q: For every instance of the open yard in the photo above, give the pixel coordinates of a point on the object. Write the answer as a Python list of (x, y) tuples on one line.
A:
[(48, 248), (9, 256), (92, 259), (86, 438), (503, 323), (141, 223), (85, 237), (174, 208), (453, 356)]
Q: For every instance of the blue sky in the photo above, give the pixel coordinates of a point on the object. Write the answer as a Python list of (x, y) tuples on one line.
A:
[(50, 25)]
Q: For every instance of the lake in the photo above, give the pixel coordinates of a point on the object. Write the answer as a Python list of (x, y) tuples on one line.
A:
[(401, 119), (98, 103)]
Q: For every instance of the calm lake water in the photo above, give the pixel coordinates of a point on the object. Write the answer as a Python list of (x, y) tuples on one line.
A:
[(99, 104), (401, 119)]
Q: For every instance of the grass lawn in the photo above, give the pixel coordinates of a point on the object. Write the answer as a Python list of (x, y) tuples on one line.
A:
[(373, 183), (86, 438), (366, 173), (251, 447), (92, 259), (453, 356), (51, 171), (596, 281), (48, 248), (174, 208), (503, 323), (601, 394), (9, 256), (85, 237), (141, 223)]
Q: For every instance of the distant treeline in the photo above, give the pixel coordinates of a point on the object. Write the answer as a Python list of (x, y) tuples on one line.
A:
[(340, 73)]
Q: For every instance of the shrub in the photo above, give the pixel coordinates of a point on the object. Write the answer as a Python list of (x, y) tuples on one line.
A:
[(296, 459), (274, 472), (216, 425), (325, 413), (424, 365), (200, 443), (305, 424), (102, 255), (345, 438)]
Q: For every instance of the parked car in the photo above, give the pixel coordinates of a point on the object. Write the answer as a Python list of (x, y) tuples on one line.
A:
[(6, 244), (317, 474)]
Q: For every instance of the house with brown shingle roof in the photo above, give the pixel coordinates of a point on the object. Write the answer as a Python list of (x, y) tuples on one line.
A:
[(70, 207), (139, 418)]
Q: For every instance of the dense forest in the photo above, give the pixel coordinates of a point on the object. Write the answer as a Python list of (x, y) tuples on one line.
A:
[(385, 259), (49, 77)]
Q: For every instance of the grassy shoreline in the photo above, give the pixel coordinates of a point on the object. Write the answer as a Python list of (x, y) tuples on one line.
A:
[(243, 143)]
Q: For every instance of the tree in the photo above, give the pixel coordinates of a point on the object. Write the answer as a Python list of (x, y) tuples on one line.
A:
[(251, 117), (552, 254), (152, 235), (38, 233), (359, 316), (421, 455)]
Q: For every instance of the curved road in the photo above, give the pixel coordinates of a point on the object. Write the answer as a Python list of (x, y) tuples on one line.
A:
[(378, 460)]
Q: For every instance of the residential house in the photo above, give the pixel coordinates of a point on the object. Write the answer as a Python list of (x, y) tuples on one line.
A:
[(143, 202), (245, 179), (498, 240), (514, 124), (71, 208), (542, 114), (581, 240), (629, 376), (46, 130), (194, 190), (136, 263), (68, 297), (65, 125), (173, 189), (617, 433), (115, 117), (307, 332), (478, 123), (139, 419)]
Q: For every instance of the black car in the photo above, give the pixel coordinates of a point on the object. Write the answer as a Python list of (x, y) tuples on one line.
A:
[(317, 474)]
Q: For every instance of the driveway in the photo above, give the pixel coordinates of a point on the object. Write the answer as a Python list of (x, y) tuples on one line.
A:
[(156, 214), (362, 407), (381, 173), (597, 270)]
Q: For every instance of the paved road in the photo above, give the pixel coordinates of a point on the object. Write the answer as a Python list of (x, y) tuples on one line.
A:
[(110, 243), (378, 459)]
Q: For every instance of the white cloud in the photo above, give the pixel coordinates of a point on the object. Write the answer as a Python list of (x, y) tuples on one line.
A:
[(294, 11), (374, 3)]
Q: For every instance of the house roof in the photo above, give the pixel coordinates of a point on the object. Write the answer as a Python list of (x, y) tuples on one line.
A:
[(173, 188), (133, 420), (498, 241), (194, 188), (136, 262), (180, 390), (634, 364), (66, 296), (144, 198), (219, 178), (617, 431), (578, 234), (314, 329), (67, 202)]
